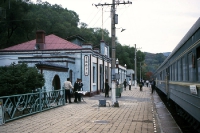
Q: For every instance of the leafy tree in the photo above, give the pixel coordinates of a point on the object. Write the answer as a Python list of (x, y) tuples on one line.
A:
[(15, 27), (19, 79)]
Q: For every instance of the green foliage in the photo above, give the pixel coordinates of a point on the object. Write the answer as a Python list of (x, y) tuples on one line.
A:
[(19, 79), (153, 61), (126, 55), (24, 19)]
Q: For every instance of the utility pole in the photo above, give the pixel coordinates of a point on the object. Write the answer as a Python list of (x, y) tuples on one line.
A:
[(113, 22), (135, 68)]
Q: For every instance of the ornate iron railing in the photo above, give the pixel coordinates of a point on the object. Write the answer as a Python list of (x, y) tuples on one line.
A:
[(17, 106)]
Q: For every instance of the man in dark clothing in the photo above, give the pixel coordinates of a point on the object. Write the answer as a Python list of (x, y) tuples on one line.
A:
[(125, 83), (106, 88), (76, 88), (80, 89), (153, 85)]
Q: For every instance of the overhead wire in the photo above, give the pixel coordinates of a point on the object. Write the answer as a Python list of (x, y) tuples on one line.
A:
[(93, 16), (98, 19)]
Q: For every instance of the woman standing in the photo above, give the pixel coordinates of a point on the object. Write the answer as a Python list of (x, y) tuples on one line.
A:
[(106, 88)]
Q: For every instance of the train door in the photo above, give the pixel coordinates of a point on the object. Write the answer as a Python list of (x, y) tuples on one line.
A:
[(167, 83)]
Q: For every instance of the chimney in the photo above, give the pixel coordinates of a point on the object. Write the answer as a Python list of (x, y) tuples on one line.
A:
[(40, 40)]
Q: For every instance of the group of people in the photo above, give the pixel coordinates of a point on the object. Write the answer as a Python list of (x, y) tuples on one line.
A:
[(78, 86), (125, 84), (152, 83)]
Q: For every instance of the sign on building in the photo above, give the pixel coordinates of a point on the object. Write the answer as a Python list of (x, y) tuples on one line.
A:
[(193, 89), (86, 65)]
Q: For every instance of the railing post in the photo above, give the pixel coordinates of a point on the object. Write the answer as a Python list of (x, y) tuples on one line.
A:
[(40, 99)]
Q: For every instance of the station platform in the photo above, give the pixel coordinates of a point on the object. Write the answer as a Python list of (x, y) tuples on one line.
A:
[(138, 112)]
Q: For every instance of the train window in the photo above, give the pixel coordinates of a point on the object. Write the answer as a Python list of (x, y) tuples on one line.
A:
[(198, 52), (176, 71), (198, 62), (179, 71), (198, 66), (184, 69), (171, 73), (191, 70), (161, 75)]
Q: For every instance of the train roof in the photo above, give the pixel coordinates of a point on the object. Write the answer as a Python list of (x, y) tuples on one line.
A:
[(192, 30)]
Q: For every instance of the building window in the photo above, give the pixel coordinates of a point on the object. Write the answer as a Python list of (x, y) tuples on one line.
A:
[(94, 74)]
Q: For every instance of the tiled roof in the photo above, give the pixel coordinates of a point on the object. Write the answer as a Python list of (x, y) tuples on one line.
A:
[(52, 42)]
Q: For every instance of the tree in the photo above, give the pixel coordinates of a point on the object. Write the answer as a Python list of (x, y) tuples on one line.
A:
[(19, 79), (149, 75)]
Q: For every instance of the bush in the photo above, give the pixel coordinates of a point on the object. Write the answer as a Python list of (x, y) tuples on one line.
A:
[(19, 79)]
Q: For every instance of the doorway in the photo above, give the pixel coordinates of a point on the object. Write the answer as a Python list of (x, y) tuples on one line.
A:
[(56, 83)]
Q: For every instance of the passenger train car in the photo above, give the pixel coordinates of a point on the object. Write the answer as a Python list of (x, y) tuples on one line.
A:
[(178, 77)]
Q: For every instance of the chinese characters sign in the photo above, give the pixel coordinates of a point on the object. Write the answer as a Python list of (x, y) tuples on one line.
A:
[(86, 65)]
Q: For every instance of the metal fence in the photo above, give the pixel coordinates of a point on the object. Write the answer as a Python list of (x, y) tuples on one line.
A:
[(17, 106)]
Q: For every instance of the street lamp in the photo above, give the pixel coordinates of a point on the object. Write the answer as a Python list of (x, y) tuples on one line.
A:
[(124, 72), (117, 63)]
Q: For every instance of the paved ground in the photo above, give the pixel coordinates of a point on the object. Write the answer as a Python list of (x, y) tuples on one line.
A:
[(138, 112)]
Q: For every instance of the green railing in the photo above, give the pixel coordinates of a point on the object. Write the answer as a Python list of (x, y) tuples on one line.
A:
[(17, 106)]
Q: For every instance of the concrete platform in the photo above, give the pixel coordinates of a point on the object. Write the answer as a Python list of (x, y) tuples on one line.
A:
[(138, 112)]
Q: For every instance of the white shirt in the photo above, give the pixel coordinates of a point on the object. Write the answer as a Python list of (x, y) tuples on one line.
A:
[(129, 82), (68, 85)]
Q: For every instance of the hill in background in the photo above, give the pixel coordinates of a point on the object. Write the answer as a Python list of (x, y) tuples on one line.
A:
[(153, 61)]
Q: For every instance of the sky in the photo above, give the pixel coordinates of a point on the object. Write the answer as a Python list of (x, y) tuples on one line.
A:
[(155, 26)]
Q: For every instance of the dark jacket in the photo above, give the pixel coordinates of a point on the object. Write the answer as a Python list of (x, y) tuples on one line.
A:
[(106, 86), (80, 86), (76, 86)]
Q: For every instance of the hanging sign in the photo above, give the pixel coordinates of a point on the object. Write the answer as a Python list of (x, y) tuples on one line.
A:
[(86, 65), (193, 89), (1, 112)]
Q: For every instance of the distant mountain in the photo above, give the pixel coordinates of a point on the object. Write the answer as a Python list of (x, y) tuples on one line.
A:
[(153, 61), (166, 53)]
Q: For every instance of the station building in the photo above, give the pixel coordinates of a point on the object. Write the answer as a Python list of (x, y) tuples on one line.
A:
[(58, 59)]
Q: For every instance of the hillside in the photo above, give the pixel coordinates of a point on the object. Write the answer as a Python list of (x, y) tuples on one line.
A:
[(153, 61)]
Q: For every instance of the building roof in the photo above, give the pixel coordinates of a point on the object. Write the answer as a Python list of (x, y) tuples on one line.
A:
[(52, 42)]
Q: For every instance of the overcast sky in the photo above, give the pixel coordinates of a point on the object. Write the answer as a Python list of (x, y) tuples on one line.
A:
[(153, 25)]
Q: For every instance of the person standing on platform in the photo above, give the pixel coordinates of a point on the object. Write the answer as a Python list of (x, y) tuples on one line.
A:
[(80, 89), (153, 85), (68, 85), (140, 85), (129, 83), (147, 82), (106, 88), (125, 83), (81, 85), (76, 88)]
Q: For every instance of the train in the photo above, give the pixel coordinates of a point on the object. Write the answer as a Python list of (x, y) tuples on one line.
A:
[(178, 77)]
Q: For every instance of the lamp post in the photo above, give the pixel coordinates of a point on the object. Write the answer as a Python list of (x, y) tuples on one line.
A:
[(118, 75), (140, 72), (124, 72), (117, 63), (135, 69)]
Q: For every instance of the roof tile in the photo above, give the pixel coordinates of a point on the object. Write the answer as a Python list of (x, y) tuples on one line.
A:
[(52, 42)]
